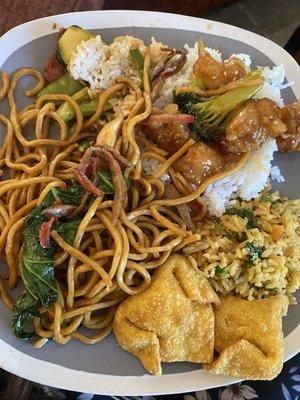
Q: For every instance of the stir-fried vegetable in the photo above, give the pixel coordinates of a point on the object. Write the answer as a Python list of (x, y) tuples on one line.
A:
[(44, 232), (23, 313), (254, 253), (234, 236), (106, 182), (88, 108), (68, 229), (244, 213), (70, 39), (270, 199), (168, 66), (37, 272), (63, 85), (110, 133), (83, 145), (53, 69), (277, 232), (221, 272), (211, 112), (66, 111), (138, 60), (72, 195), (36, 263)]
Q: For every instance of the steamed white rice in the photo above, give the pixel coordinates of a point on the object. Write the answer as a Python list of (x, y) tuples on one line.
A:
[(247, 182), (100, 64)]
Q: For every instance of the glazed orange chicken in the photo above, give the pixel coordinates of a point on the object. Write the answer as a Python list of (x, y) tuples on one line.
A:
[(251, 125), (169, 137), (200, 161), (216, 74), (290, 140)]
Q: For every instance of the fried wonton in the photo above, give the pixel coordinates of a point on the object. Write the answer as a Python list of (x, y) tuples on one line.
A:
[(172, 320), (248, 337)]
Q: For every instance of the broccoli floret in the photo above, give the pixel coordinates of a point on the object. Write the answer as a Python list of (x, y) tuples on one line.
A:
[(186, 100), (211, 112)]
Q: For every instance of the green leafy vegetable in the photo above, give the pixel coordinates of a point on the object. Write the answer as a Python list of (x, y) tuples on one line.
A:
[(138, 60), (37, 272), (270, 199), (36, 263), (84, 145), (221, 272), (106, 182), (72, 195), (254, 253), (244, 213), (235, 236), (68, 230), (23, 313)]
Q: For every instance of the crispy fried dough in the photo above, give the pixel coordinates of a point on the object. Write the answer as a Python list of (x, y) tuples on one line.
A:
[(172, 320), (248, 337)]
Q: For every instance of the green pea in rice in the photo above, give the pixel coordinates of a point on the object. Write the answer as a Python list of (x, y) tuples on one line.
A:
[(247, 261)]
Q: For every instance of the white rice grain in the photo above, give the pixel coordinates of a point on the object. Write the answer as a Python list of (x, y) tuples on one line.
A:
[(100, 64), (247, 182)]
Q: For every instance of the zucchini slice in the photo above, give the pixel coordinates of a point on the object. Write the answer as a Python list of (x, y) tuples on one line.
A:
[(69, 41)]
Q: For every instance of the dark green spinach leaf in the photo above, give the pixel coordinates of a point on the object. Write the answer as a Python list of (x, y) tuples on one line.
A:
[(72, 195), (23, 313), (106, 182), (68, 229), (36, 263)]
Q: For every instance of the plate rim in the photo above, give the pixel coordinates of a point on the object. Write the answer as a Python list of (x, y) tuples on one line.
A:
[(45, 372)]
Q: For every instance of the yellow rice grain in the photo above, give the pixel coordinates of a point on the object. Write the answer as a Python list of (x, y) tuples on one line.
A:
[(223, 250)]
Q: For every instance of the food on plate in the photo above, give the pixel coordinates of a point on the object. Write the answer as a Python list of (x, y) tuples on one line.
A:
[(152, 199), (248, 337), (69, 39), (251, 125), (214, 74), (172, 320), (290, 139), (199, 162), (211, 108), (253, 249)]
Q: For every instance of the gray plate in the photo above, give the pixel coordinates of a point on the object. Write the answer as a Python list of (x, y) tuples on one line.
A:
[(107, 357)]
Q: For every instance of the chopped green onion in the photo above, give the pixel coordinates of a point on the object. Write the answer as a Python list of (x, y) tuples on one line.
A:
[(244, 213), (138, 60), (221, 272)]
